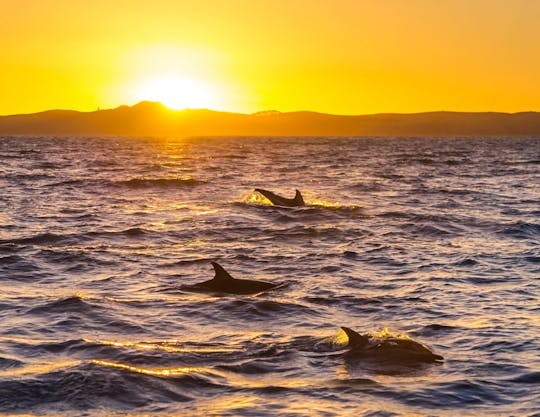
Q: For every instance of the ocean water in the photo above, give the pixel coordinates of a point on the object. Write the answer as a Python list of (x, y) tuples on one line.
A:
[(434, 238)]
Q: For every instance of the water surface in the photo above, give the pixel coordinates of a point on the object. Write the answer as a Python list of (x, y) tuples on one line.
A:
[(435, 238)]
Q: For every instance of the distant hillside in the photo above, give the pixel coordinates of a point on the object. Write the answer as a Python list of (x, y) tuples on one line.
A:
[(153, 119)]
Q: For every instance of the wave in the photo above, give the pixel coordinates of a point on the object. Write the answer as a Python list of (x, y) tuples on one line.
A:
[(73, 303), (521, 230), (73, 182), (48, 165), (417, 218), (81, 313), (458, 393), (130, 233), (428, 230), (333, 207), (257, 310), (306, 232), (527, 378), (131, 183), (16, 178), (344, 300), (466, 262), (67, 258), (53, 239), (252, 367), (510, 346), (159, 182), (533, 259), (38, 239), (11, 259), (7, 363), (92, 385), (369, 187), (436, 329)]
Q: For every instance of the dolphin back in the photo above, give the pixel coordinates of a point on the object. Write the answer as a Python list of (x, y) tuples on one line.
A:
[(412, 350), (278, 200), (355, 339), (299, 199), (223, 282), (274, 198), (388, 349), (221, 274)]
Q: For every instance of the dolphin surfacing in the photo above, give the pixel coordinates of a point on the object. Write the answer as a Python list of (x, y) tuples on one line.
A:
[(277, 200), (223, 282), (388, 348)]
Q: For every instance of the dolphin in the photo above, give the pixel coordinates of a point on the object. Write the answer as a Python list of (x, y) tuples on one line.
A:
[(277, 200), (388, 348), (225, 283)]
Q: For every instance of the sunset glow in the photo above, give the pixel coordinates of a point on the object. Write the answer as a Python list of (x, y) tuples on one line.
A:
[(177, 93), (344, 57)]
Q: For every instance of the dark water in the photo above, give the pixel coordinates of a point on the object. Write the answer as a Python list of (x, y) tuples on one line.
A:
[(435, 238)]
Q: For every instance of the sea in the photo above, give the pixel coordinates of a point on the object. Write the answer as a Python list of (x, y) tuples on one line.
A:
[(435, 239)]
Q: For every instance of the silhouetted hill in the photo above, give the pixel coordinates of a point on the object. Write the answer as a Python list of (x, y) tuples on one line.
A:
[(153, 119)]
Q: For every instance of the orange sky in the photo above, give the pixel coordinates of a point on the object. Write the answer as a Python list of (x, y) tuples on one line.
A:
[(340, 56)]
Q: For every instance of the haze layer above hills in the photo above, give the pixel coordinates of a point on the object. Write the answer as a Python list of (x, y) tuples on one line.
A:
[(153, 119)]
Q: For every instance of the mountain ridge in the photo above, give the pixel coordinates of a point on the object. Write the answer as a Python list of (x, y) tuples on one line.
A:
[(154, 119)]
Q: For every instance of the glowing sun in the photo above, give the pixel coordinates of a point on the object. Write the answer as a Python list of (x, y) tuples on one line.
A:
[(178, 92)]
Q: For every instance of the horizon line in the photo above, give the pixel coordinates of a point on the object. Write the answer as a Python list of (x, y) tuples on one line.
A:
[(269, 111)]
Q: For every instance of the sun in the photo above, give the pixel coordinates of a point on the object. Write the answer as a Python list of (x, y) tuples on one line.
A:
[(178, 92)]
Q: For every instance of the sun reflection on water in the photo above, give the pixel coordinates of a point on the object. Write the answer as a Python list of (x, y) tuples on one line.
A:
[(255, 198), (167, 346), (385, 333), (165, 372), (340, 339), (319, 202), (39, 368)]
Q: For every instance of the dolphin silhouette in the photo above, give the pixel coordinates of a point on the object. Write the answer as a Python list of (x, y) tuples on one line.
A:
[(277, 200), (225, 283), (389, 348)]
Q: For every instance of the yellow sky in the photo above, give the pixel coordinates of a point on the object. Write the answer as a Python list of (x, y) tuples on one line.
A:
[(340, 56)]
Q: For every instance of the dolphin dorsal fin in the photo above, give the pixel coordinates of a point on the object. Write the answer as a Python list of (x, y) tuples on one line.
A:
[(221, 274), (298, 197), (355, 338)]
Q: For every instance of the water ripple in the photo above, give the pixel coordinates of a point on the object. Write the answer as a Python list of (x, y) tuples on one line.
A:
[(436, 238)]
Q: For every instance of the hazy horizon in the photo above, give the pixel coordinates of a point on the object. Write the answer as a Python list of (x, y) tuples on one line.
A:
[(154, 119), (308, 110)]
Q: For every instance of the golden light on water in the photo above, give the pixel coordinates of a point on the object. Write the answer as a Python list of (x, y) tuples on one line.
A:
[(341, 338), (168, 346), (232, 379), (255, 198), (386, 333), (165, 372), (141, 345), (318, 202), (39, 368)]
